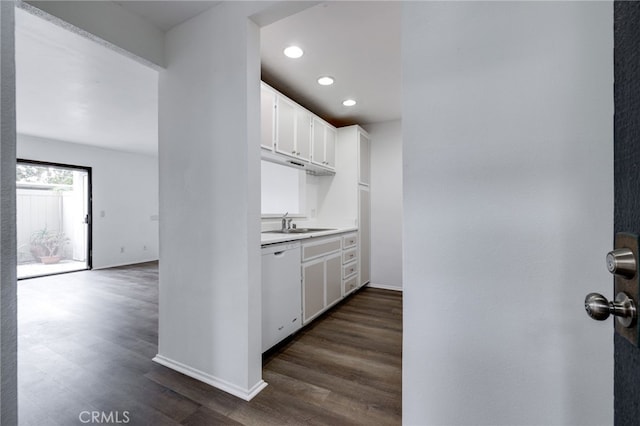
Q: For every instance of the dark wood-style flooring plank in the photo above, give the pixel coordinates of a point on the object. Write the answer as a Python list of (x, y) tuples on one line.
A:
[(86, 340)]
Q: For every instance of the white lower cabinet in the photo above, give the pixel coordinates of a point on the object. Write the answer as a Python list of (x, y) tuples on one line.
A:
[(364, 232), (333, 282), (349, 263), (321, 276), (350, 284), (312, 289), (329, 267)]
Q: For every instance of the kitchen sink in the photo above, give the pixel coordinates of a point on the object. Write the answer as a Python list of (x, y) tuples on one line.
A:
[(298, 230)]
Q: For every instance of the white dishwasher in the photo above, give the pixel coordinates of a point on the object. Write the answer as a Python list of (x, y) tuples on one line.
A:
[(281, 292)]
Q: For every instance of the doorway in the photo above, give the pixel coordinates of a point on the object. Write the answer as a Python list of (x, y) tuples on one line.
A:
[(53, 217)]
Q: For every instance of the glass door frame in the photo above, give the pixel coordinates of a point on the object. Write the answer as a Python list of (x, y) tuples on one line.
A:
[(89, 215)]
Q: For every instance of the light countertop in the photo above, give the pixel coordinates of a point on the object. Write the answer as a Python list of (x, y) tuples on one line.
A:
[(273, 238)]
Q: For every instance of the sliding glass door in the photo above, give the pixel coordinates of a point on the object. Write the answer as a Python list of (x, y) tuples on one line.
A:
[(53, 206)]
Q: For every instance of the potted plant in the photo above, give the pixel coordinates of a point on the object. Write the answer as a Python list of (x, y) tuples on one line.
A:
[(46, 246)]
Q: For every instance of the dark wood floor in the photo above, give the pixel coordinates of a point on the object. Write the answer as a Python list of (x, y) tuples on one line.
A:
[(86, 340)]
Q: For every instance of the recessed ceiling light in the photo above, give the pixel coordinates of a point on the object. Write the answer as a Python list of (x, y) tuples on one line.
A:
[(293, 52), (349, 102), (325, 80)]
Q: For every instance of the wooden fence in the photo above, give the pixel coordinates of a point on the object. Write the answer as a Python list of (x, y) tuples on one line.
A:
[(38, 208)]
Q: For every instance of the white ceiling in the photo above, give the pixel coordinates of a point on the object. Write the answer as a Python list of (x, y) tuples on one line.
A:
[(167, 14), (356, 42), (72, 89)]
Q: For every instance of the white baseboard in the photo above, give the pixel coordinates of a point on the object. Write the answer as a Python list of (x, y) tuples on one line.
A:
[(385, 287), (246, 394)]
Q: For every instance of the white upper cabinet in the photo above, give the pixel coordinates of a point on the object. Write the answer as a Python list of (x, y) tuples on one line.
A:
[(317, 155), (330, 137), (293, 129), (285, 126), (288, 131), (267, 116), (303, 133), (364, 162), (324, 144)]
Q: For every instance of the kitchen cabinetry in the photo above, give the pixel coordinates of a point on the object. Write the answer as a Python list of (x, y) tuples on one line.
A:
[(313, 278), (350, 275), (364, 234), (287, 135), (346, 196), (334, 279), (303, 133), (293, 129), (364, 162), (324, 144), (302, 279), (321, 276), (267, 116)]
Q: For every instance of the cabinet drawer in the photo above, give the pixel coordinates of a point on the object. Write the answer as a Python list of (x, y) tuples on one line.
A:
[(349, 269), (350, 284), (349, 255), (311, 250), (349, 240)]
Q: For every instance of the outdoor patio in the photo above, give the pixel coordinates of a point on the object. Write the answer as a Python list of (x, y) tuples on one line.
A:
[(30, 270)]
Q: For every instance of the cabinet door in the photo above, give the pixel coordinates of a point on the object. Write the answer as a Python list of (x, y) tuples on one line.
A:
[(303, 133), (313, 276), (333, 278), (267, 117), (285, 128), (364, 231), (330, 147), (350, 284), (364, 161), (317, 142)]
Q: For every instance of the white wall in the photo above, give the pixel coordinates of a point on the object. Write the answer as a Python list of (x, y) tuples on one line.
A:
[(386, 204), (283, 190), (125, 188), (210, 294), (508, 212)]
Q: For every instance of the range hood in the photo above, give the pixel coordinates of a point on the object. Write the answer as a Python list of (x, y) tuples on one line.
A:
[(310, 168)]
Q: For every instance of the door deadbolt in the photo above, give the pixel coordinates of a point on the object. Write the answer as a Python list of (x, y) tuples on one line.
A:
[(599, 308), (622, 262)]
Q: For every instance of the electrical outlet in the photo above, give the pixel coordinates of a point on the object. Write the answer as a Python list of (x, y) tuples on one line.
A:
[(122, 249), (144, 248)]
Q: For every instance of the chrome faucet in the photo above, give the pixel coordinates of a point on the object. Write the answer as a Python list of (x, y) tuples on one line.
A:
[(286, 223)]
